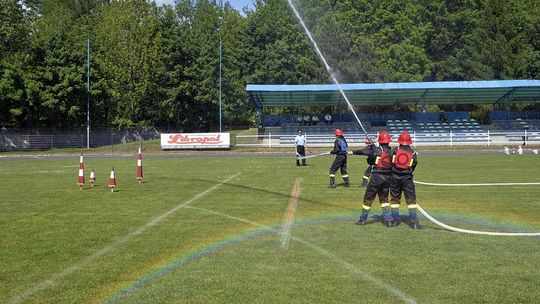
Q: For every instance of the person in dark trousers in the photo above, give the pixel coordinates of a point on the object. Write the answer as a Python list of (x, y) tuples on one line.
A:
[(300, 148), (367, 175), (380, 162), (340, 162), (404, 161)]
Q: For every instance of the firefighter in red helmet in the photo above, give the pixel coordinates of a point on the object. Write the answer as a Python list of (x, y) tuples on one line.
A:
[(404, 161), (379, 159), (340, 162), (367, 172)]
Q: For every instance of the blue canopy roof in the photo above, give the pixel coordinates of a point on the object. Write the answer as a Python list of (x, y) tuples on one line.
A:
[(447, 92)]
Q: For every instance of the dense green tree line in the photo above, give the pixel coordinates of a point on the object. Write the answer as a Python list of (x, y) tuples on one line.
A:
[(159, 65)]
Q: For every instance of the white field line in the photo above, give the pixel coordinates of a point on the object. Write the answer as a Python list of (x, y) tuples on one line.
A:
[(350, 267), (443, 225), (288, 222), (473, 185), (50, 171), (55, 278)]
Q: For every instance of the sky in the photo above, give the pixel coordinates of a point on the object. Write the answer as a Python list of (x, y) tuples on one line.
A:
[(237, 4)]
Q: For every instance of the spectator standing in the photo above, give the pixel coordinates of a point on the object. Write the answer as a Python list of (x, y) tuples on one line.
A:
[(300, 148), (404, 161), (340, 162), (442, 117), (379, 160)]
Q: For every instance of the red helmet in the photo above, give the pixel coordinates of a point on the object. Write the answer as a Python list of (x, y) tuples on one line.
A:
[(404, 138), (384, 138), (339, 132)]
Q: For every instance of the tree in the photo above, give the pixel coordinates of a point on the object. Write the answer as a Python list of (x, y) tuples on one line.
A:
[(128, 50)]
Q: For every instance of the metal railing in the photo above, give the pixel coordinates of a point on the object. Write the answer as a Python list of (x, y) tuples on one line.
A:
[(482, 138)]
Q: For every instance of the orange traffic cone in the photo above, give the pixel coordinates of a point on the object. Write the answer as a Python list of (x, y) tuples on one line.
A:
[(92, 177), (139, 166), (80, 179), (112, 181)]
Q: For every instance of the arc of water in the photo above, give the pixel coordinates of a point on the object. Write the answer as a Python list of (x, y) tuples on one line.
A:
[(327, 66)]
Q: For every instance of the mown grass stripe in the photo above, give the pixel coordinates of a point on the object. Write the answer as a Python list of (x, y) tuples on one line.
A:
[(289, 215)]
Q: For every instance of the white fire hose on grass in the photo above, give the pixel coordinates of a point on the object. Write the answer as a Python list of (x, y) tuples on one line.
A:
[(445, 226)]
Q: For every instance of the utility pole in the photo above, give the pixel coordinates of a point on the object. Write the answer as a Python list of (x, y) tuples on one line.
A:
[(220, 47), (88, 94)]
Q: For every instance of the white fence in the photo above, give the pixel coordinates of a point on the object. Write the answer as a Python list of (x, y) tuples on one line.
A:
[(485, 138)]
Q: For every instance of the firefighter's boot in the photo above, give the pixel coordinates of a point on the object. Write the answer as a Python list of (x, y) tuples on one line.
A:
[(394, 213), (332, 182), (346, 181), (387, 218), (414, 217), (364, 215), (365, 180)]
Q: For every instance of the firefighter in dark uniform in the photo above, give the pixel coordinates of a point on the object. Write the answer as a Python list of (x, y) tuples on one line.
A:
[(404, 161), (380, 162), (367, 172), (367, 175), (340, 150)]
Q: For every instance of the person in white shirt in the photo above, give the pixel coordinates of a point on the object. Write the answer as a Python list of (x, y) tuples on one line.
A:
[(300, 148), (328, 119), (315, 120), (307, 120)]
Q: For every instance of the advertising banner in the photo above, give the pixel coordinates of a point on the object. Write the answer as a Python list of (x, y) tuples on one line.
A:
[(195, 141)]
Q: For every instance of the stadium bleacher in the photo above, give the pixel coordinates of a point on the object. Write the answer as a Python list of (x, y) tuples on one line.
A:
[(519, 130), (425, 130), (456, 130)]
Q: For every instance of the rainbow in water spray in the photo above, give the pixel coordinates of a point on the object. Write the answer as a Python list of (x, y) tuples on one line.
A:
[(136, 285)]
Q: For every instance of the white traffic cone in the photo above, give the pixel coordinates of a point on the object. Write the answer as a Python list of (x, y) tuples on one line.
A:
[(112, 180), (92, 178), (80, 179), (139, 166)]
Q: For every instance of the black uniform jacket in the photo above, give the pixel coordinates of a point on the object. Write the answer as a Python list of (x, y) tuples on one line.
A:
[(338, 149)]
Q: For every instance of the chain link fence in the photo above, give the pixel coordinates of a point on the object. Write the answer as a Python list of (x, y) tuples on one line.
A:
[(16, 140)]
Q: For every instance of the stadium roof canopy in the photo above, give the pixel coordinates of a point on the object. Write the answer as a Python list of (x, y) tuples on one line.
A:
[(448, 92)]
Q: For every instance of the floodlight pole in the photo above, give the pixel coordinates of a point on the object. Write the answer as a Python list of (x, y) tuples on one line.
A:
[(220, 84), (220, 47), (88, 94)]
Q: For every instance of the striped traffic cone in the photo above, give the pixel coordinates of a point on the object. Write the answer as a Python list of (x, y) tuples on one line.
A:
[(139, 166), (92, 178), (80, 179), (112, 180)]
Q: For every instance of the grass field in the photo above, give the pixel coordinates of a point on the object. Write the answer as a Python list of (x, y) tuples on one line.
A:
[(211, 230)]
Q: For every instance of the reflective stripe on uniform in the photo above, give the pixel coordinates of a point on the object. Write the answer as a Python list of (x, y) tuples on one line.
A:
[(411, 206), (395, 206), (345, 175), (366, 207), (385, 205), (332, 175)]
